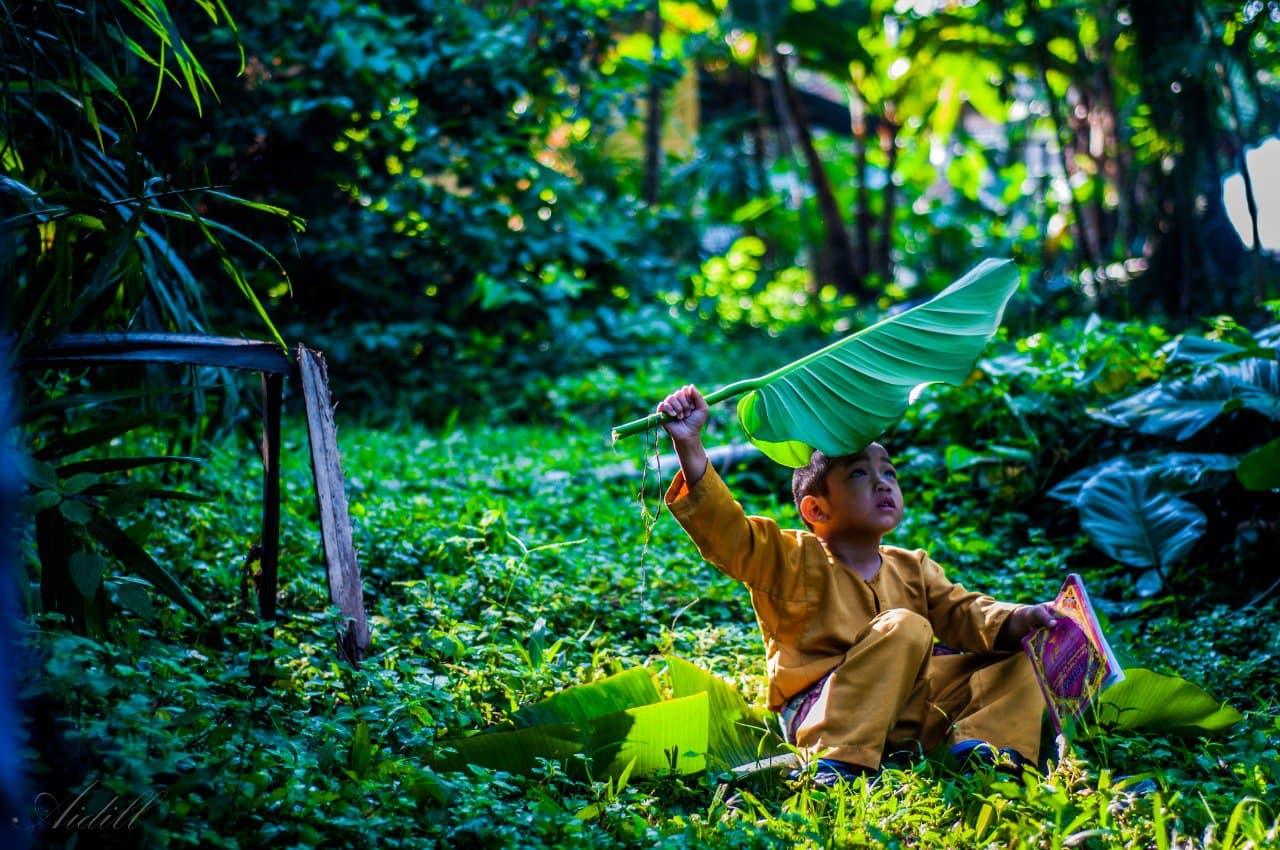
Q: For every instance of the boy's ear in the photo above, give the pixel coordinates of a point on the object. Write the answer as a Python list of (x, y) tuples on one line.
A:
[(813, 510)]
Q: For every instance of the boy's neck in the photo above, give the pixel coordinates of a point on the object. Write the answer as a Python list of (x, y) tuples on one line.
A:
[(861, 555)]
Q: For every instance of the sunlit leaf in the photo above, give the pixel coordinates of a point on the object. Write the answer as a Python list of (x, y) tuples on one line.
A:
[(581, 703), (841, 398), (737, 734), (648, 738), (1148, 700)]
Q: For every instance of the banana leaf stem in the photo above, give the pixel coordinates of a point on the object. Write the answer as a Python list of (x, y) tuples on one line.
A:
[(653, 420)]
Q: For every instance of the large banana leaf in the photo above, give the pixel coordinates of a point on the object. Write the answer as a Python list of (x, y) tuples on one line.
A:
[(1144, 699), (842, 397), (611, 722), (581, 703), (660, 736), (737, 734)]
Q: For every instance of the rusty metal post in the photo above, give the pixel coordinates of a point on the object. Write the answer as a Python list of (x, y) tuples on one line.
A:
[(272, 393)]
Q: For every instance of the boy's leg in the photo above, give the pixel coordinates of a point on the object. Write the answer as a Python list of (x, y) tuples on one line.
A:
[(880, 687), (986, 697)]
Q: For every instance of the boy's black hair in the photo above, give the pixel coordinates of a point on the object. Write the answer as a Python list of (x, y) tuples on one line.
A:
[(811, 479)]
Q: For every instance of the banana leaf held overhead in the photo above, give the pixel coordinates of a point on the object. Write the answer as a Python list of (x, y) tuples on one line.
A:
[(843, 396)]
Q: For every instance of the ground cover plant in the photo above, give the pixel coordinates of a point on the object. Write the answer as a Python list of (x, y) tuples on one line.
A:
[(500, 570)]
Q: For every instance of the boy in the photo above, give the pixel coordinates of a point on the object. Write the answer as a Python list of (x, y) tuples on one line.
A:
[(849, 624)]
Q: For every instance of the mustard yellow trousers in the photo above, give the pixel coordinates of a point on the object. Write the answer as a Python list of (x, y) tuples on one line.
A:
[(891, 690)]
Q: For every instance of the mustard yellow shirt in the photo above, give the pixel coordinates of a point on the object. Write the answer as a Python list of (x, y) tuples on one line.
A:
[(810, 607)]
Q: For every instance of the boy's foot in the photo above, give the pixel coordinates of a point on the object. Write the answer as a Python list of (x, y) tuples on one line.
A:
[(972, 754), (903, 759), (830, 772)]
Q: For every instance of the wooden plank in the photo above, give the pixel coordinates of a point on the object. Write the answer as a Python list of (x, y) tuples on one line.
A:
[(272, 391), (331, 498)]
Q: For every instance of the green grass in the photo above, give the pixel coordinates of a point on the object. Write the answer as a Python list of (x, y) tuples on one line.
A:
[(497, 571)]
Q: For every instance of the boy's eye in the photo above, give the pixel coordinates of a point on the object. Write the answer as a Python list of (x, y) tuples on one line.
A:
[(855, 473), (889, 473)]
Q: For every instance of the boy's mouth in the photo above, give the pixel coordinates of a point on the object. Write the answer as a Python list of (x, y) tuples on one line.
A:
[(886, 504)]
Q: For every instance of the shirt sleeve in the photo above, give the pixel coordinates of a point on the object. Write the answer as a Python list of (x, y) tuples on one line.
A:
[(961, 618), (753, 549)]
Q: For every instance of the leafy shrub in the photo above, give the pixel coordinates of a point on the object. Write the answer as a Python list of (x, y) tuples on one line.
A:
[(1219, 394)]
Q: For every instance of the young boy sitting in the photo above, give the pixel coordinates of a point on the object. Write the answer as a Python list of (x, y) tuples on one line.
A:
[(849, 624)]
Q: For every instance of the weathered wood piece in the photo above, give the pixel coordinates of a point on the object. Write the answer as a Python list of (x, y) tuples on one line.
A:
[(331, 499), (267, 358)]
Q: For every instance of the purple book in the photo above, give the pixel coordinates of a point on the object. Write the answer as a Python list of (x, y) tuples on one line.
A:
[(1073, 661)]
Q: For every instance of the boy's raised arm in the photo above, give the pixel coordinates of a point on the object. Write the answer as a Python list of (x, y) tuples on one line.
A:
[(751, 549), (688, 411)]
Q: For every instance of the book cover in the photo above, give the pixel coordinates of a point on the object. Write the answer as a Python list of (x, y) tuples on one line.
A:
[(1073, 661)]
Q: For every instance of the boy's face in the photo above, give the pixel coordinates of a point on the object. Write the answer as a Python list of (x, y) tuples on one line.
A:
[(862, 494)]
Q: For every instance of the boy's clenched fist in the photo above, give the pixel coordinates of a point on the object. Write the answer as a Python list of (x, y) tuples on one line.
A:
[(688, 411)]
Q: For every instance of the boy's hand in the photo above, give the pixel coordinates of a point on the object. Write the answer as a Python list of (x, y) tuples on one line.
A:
[(1025, 620), (688, 411)]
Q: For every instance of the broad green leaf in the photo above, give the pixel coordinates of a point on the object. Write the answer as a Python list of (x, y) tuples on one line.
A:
[(958, 457), (1131, 517), (1181, 472), (1260, 468), (44, 499), (1148, 700), (86, 570), (737, 734), (78, 483), (75, 511), (581, 703), (132, 594), (1182, 408), (1197, 349)]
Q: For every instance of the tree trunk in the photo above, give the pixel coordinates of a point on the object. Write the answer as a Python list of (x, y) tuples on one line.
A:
[(1087, 251), (1061, 128), (888, 133), (1116, 163), (835, 262), (1181, 108), (653, 124), (862, 213), (758, 134)]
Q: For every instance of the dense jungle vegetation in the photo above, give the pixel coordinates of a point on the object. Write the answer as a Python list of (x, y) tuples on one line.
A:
[(510, 225)]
